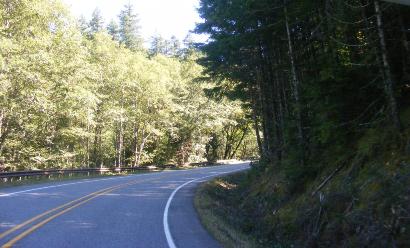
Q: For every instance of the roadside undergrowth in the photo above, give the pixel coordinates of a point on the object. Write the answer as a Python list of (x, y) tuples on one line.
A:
[(359, 198), (215, 202)]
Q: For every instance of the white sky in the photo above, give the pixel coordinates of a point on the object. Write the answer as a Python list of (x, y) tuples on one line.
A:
[(164, 17)]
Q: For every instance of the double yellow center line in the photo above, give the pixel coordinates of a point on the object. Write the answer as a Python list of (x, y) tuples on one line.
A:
[(60, 210)]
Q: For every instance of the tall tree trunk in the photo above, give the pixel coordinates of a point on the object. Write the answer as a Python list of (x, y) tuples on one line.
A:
[(228, 144), (97, 138), (121, 131), (279, 110), (2, 121), (135, 145), (3, 129), (257, 132), (266, 121), (95, 148), (120, 134), (120, 142), (268, 105), (388, 77), (233, 153), (296, 88), (136, 131), (406, 47), (141, 147), (88, 145), (265, 146), (255, 113)]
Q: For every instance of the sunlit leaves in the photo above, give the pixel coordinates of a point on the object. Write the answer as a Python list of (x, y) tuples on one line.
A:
[(71, 95)]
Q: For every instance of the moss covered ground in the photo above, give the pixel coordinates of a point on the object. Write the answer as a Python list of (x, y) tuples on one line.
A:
[(360, 198)]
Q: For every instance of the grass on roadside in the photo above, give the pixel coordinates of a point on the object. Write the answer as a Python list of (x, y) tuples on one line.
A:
[(216, 203)]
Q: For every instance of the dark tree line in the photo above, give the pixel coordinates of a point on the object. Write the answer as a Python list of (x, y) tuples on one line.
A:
[(328, 83), (317, 74)]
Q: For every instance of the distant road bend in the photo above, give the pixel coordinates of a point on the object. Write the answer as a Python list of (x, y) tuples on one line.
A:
[(144, 210)]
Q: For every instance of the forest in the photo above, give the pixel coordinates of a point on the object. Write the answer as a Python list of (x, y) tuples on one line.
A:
[(328, 84), (79, 93), (318, 90)]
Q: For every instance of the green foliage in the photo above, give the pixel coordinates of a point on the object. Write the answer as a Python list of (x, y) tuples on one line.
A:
[(114, 30), (73, 94), (129, 28), (327, 85), (171, 47), (96, 23)]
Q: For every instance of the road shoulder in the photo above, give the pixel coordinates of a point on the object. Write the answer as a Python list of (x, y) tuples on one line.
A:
[(216, 204)]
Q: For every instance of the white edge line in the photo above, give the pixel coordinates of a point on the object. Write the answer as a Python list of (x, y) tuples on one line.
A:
[(68, 184), (57, 186), (168, 235)]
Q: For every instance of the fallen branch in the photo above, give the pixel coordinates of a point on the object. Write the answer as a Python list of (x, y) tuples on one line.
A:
[(328, 179)]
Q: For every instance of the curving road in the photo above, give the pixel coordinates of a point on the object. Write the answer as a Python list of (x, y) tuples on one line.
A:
[(144, 210)]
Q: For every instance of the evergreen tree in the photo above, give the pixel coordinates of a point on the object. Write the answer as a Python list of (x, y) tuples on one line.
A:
[(113, 30), (280, 57), (326, 81), (83, 25), (96, 23), (158, 45), (130, 29), (189, 46), (174, 47)]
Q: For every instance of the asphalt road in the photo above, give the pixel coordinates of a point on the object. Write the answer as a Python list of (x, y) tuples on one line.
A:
[(144, 210)]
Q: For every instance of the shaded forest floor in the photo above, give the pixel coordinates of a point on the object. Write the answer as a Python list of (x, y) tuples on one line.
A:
[(358, 199)]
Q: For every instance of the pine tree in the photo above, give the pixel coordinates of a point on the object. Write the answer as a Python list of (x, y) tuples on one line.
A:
[(158, 45), (174, 47), (189, 46), (113, 30), (130, 29), (96, 23), (83, 25)]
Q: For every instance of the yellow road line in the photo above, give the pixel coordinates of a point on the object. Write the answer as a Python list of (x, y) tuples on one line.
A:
[(42, 223), (2, 235), (81, 200)]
